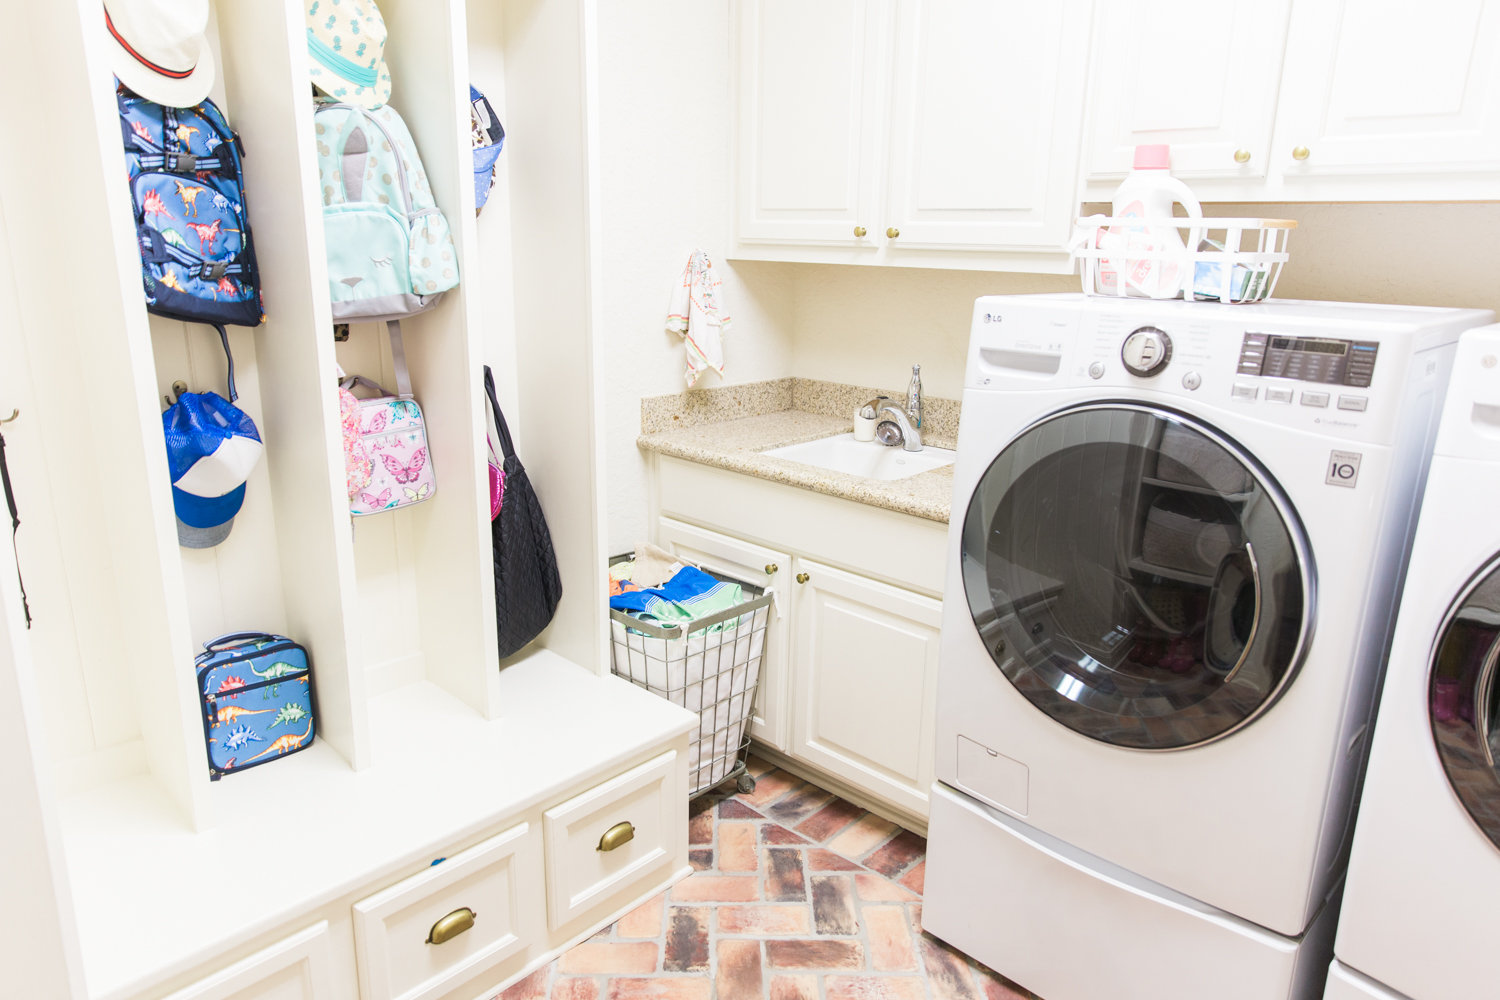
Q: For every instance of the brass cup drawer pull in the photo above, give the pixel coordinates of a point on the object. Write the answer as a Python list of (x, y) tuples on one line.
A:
[(617, 836), (452, 925)]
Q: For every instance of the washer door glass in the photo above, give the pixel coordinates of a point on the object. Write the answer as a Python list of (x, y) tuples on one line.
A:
[(1136, 576), (1464, 699)]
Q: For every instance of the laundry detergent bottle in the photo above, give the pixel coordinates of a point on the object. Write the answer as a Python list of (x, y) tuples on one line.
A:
[(1154, 260)]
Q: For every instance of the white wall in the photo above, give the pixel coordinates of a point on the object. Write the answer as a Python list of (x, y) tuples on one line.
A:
[(664, 152)]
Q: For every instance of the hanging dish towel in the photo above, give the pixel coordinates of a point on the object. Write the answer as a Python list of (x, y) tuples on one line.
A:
[(698, 314)]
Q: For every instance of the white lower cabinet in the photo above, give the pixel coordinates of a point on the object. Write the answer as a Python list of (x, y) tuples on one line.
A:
[(764, 567), (451, 922), (298, 967), (848, 681), (866, 682)]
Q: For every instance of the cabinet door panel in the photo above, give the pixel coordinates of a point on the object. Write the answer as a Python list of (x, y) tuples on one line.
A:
[(865, 670), (805, 143), (764, 567), (986, 109), (1200, 77), (1383, 86)]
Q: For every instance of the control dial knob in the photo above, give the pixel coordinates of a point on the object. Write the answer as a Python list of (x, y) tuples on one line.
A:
[(1146, 351)]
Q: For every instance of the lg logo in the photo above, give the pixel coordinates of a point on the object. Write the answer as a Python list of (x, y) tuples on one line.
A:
[(992, 317), (1343, 468)]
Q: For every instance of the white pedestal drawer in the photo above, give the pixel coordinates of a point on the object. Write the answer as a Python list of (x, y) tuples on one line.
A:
[(295, 968), (415, 940), (583, 866)]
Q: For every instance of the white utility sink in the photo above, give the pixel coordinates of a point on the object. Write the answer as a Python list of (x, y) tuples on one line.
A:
[(869, 459)]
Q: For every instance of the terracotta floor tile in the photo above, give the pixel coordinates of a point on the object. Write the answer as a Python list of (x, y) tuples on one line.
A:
[(701, 860), (756, 765), (775, 833), (605, 957), (889, 931), (830, 819), (864, 836), (801, 803), (794, 988), (769, 787), (665, 988), (898, 854), (997, 987), (763, 920), (815, 954), (737, 851), (833, 904), (879, 889), (735, 809), (533, 987), (739, 974), (706, 888), (645, 920), (821, 860), (916, 878), (874, 988), (686, 947), (784, 880), (575, 989), (701, 828), (947, 973)]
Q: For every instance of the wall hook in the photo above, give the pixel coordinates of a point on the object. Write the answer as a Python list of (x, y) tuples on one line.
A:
[(178, 388), (14, 413)]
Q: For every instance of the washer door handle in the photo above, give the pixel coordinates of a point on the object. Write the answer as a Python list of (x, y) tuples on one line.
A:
[(1483, 689), (1255, 618)]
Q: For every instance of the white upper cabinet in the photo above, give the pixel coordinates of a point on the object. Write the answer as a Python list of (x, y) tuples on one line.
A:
[(1381, 91), (915, 133), (807, 140), (1301, 100), (1200, 77)]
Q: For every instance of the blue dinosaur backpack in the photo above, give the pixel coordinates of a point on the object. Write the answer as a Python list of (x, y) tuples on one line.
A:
[(256, 692), (197, 260)]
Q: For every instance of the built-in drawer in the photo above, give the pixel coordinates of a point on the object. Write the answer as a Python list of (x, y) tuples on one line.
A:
[(612, 835), (452, 921), (298, 967)]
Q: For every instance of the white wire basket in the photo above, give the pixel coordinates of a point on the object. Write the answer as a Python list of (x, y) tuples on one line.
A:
[(1224, 260)]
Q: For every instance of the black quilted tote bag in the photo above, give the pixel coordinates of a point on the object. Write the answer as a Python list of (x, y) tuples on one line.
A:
[(527, 587)]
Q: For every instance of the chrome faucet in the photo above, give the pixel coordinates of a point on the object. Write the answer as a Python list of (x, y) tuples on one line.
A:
[(909, 436)]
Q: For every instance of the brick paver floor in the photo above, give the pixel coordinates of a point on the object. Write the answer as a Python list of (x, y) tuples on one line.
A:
[(797, 895)]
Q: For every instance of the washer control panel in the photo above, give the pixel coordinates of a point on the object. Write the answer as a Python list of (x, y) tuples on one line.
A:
[(1146, 351), (1309, 359)]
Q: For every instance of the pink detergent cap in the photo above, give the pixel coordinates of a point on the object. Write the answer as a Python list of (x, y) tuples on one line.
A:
[(1156, 156)]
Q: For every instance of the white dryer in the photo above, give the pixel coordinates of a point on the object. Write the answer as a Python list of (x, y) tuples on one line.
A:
[(1424, 874), (1177, 536)]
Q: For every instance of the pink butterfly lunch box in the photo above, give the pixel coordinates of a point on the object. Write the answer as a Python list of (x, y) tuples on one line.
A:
[(391, 430)]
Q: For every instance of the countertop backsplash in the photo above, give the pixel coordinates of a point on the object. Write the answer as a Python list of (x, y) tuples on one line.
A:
[(720, 403)]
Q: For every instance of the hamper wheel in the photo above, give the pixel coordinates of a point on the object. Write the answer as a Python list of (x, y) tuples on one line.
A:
[(745, 783)]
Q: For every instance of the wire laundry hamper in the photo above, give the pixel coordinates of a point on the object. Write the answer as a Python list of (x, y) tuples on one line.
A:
[(710, 666)]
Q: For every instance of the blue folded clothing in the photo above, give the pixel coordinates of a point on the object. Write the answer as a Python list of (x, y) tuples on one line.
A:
[(690, 594)]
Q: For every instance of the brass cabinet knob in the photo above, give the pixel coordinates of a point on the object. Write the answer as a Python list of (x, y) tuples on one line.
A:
[(892, 233), (617, 836), (860, 231), (1301, 153), (803, 578), (1242, 156), (771, 569), (451, 926)]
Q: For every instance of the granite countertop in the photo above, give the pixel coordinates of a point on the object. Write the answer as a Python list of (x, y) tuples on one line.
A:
[(737, 444)]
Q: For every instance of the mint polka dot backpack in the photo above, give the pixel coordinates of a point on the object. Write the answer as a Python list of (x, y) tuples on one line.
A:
[(390, 251)]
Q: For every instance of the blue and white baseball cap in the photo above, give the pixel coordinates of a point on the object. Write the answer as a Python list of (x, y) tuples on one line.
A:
[(212, 447)]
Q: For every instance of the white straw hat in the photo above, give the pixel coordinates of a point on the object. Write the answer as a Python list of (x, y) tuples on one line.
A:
[(158, 49)]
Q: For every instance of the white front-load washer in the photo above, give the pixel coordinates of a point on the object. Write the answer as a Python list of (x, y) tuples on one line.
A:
[(1177, 536), (1424, 871)]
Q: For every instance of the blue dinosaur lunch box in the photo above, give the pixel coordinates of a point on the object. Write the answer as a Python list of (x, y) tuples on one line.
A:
[(256, 690)]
